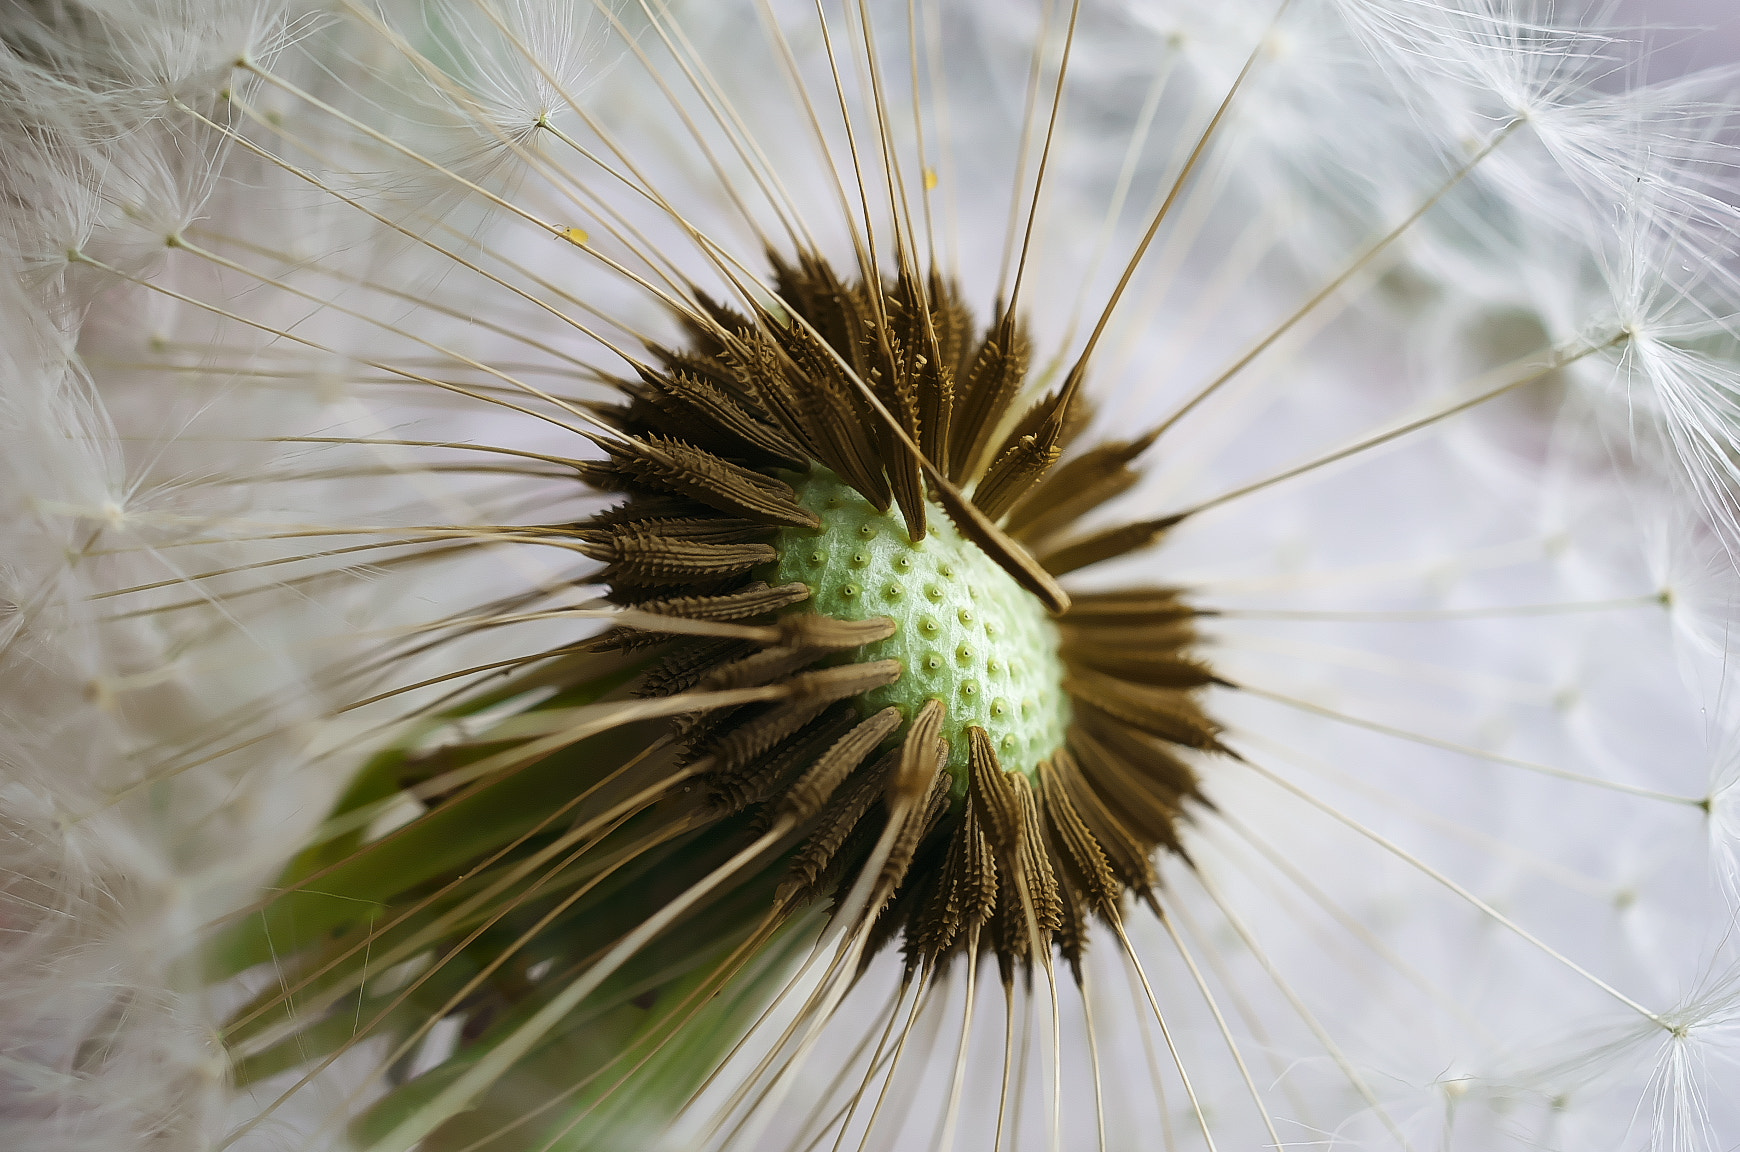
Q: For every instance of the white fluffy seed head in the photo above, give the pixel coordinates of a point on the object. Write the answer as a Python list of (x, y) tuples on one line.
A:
[(135, 425)]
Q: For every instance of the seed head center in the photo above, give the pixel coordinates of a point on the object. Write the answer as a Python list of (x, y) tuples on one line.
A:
[(965, 634)]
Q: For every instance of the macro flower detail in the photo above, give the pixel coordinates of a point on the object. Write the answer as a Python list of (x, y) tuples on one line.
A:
[(888, 724), (897, 573)]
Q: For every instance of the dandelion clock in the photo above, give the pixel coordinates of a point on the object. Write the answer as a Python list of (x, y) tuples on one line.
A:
[(867, 575)]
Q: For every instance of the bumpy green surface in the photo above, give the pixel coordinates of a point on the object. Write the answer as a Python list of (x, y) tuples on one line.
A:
[(966, 633)]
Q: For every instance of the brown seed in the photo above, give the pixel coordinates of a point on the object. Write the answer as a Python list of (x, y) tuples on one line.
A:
[(636, 558), (806, 797), (1085, 861), (1073, 489), (1073, 555), (827, 634), (736, 787), (985, 393), (669, 465), (841, 818), (922, 755), (756, 599), (1013, 473), (920, 822)]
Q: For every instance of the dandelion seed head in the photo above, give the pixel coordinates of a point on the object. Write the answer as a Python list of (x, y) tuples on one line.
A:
[(1466, 812)]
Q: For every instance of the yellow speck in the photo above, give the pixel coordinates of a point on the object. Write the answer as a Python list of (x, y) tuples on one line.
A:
[(929, 179), (575, 236)]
